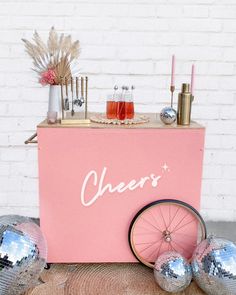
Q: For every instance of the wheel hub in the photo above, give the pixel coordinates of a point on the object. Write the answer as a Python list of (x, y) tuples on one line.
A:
[(167, 236)]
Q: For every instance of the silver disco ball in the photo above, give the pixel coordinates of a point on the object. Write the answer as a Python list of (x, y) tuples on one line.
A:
[(23, 254), (214, 266), (168, 115), (172, 272)]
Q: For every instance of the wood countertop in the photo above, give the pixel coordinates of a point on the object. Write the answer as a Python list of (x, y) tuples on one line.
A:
[(154, 123)]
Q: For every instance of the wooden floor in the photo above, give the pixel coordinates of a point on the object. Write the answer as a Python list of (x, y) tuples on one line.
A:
[(104, 279)]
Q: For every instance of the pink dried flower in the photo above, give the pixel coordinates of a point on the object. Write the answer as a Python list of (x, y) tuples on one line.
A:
[(48, 77)]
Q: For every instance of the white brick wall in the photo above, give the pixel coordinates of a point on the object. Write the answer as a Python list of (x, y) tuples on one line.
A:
[(123, 41)]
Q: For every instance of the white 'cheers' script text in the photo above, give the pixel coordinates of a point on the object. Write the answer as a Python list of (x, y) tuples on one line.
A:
[(120, 188)]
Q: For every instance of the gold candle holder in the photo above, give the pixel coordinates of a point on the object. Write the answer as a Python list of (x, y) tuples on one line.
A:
[(172, 90)]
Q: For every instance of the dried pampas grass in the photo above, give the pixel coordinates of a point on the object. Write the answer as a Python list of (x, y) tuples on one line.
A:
[(57, 55)]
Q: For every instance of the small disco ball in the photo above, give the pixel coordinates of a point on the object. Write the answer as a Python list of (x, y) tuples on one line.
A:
[(168, 115), (214, 266), (23, 254), (172, 272)]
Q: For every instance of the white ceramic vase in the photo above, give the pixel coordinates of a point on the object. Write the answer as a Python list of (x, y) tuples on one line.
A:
[(54, 103)]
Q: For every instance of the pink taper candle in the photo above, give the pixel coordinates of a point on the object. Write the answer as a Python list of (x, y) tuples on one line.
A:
[(173, 71), (192, 80)]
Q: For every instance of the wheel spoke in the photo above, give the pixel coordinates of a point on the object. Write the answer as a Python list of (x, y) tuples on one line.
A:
[(180, 222), (149, 246), (157, 224), (150, 224), (145, 234), (147, 243), (188, 244), (146, 229), (185, 225), (163, 217), (182, 234), (174, 217), (150, 255), (169, 217), (159, 249), (168, 249), (182, 247), (173, 247)]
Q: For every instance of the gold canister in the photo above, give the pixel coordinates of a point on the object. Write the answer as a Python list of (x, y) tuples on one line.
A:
[(184, 105)]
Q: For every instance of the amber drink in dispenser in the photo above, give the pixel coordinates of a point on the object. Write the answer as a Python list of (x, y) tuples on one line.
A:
[(121, 112), (129, 104), (111, 106)]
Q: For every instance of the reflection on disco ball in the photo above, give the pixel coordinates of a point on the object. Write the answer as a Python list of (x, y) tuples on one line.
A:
[(172, 272), (214, 266), (22, 254), (168, 115)]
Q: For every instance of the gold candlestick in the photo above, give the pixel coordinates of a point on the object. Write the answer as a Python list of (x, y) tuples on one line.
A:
[(172, 89)]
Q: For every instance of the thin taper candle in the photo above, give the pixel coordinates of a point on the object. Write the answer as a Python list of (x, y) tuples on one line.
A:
[(173, 71), (192, 80)]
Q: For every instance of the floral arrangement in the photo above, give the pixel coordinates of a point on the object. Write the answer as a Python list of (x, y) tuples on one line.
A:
[(55, 60)]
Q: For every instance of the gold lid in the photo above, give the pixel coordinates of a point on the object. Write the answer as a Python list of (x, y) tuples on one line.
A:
[(185, 87)]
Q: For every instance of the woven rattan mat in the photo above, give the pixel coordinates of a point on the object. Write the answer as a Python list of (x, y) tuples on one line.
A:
[(104, 279)]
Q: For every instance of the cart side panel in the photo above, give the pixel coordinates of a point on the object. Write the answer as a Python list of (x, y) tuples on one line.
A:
[(81, 218)]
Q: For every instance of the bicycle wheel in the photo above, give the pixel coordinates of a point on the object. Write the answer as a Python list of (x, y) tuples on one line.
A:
[(165, 225)]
